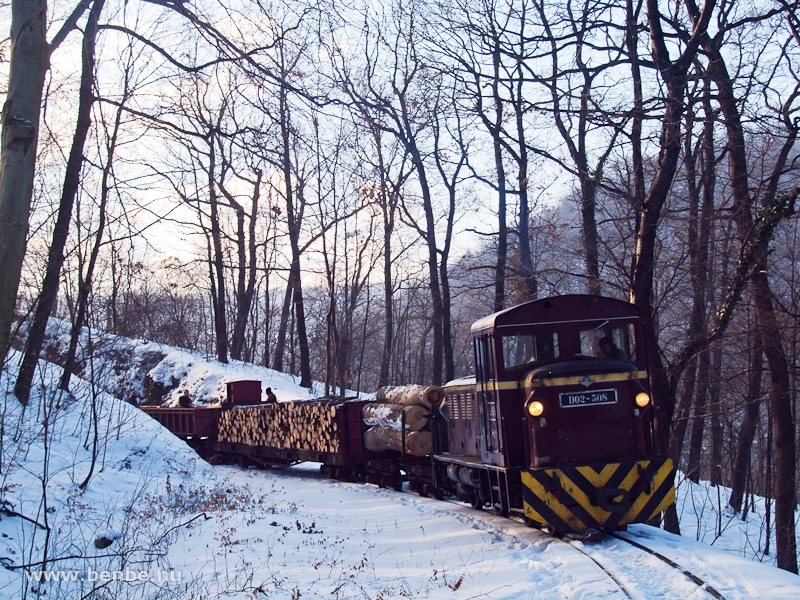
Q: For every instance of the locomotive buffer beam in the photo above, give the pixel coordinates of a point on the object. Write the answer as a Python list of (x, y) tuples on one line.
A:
[(615, 500), (605, 495)]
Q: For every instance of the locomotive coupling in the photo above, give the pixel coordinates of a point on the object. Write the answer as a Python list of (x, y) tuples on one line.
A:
[(614, 500)]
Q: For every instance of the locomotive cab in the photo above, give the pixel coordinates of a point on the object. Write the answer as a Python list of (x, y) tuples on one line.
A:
[(558, 421), (594, 403)]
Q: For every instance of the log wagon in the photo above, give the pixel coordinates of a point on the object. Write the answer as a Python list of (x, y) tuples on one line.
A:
[(382, 442)]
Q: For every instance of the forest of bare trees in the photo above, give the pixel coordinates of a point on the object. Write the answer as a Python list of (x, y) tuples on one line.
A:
[(338, 189)]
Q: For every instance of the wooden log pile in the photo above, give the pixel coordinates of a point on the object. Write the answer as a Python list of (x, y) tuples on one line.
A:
[(398, 405), (418, 443), (376, 414), (319, 425), (411, 395), (298, 425)]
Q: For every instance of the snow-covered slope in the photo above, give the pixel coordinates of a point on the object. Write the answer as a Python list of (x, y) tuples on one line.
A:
[(159, 373), (139, 478)]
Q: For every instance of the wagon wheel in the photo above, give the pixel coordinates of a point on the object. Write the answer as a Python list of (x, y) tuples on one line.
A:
[(501, 504), (422, 488)]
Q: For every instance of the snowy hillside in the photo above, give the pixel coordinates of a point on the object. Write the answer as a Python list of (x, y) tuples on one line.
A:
[(159, 373), (155, 521)]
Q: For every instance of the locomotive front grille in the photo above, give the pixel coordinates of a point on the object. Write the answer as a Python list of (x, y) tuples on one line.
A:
[(609, 495)]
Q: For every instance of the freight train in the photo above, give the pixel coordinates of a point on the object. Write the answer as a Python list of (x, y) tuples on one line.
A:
[(556, 425)]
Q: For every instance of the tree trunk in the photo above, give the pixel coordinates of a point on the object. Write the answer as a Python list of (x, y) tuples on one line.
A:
[(747, 430), (766, 322), (388, 203), (530, 288), (28, 64), (283, 325), (72, 181), (695, 460), (502, 225), (247, 272), (683, 411), (217, 261), (85, 287), (437, 348), (716, 412), (294, 217), (674, 75)]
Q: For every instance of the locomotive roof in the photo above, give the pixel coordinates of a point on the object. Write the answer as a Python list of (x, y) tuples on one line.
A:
[(557, 309)]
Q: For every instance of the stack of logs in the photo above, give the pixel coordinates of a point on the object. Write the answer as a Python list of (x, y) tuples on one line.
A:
[(299, 425), (412, 404), (313, 424)]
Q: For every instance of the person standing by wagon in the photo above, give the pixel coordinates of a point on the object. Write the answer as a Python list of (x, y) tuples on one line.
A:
[(185, 401), (270, 399)]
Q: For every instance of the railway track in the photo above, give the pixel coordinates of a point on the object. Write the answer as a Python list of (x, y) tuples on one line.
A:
[(610, 567), (705, 586), (619, 579), (612, 576), (596, 548), (609, 559)]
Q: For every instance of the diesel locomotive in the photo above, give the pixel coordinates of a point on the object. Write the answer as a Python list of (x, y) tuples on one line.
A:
[(557, 422), (556, 425)]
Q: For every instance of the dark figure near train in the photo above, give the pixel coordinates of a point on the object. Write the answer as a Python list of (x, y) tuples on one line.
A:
[(609, 349), (270, 396), (185, 401)]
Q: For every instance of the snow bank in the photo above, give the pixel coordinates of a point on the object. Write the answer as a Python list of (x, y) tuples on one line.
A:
[(90, 483)]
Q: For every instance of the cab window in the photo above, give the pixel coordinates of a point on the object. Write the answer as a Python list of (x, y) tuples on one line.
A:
[(523, 348), (483, 358), (613, 342)]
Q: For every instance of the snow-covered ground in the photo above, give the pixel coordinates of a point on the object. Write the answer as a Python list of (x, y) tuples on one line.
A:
[(155, 521)]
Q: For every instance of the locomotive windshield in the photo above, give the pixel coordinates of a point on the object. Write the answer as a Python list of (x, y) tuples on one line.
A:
[(615, 342), (522, 348)]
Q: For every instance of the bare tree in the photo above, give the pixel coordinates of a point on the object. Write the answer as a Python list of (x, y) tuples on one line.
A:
[(29, 61), (55, 260), (768, 326), (86, 280)]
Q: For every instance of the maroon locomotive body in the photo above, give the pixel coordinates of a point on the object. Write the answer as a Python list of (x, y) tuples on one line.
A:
[(557, 423)]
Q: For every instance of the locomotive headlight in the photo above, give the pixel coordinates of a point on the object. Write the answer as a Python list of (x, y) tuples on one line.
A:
[(642, 399), (535, 408)]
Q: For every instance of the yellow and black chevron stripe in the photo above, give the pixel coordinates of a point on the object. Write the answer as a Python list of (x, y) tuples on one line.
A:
[(605, 495)]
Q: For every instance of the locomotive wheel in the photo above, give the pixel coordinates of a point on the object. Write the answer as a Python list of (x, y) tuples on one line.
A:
[(502, 509), (530, 522), (475, 501)]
